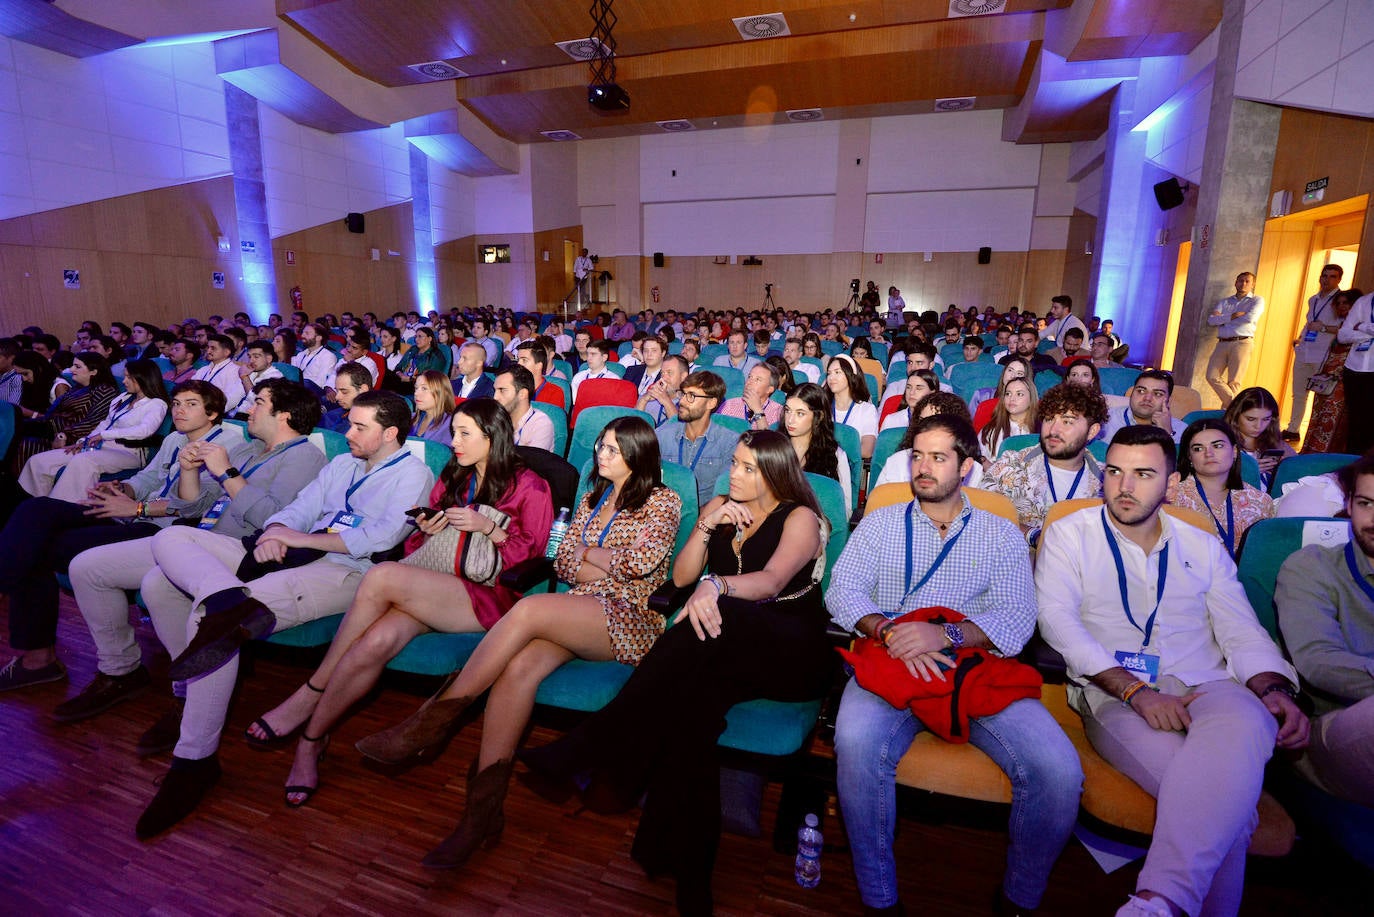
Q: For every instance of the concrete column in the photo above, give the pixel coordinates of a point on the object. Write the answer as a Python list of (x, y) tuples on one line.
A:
[(1232, 204), (1115, 249), (250, 202), (425, 280)]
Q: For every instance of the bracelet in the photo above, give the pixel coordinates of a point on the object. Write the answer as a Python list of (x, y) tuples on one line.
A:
[(140, 511), (705, 529), (1282, 688), (714, 581), (491, 530), (883, 629), (1132, 691)]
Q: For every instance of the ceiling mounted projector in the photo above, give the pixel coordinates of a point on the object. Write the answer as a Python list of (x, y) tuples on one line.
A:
[(608, 98)]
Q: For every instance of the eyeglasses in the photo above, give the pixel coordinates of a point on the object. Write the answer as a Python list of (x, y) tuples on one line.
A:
[(690, 397), (607, 449)]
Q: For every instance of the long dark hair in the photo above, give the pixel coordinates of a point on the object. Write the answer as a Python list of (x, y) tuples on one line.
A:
[(503, 462), (820, 452), (148, 375), (1248, 400), (787, 383), (782, 473), (1185, 456), (941, 403), (853, 376), (639, 448), (100, 370), (288, 338), (34, 395)]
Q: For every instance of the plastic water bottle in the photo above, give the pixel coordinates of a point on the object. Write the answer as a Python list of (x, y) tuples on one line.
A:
[(809, 845), (560, 528)]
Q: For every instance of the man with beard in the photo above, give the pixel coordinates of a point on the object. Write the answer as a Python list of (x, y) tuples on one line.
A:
[(1325, 600), (1024, 346), (939, 550), (1060, 468), (1151, 399), (692, 441), (1179, 686)]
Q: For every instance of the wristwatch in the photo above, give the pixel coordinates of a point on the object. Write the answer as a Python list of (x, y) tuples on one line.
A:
[(955, 636), (230, 472), (1281, 688)]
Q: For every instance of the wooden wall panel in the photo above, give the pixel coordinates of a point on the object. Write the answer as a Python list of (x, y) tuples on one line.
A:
[(552, 279), (335, 271), (146, 256), (1077, 263)]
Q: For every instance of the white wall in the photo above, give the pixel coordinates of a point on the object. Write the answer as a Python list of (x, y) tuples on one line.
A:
[(452, 198), (79, 130), (313, 177), (775, 160), (947, 151), (1309, 53), (553, 186), (503, 203)]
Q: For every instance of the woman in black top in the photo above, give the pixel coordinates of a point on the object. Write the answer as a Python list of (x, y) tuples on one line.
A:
[(755, 629)]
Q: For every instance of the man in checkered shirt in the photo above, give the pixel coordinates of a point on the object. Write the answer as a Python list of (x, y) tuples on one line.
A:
[(938, 550)]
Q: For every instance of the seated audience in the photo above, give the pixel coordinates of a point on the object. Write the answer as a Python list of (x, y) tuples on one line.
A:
[(1253, 414), (350, 381), (660, 399), (920, 383), (1013, 415), (433, 408), (257, 369), (691, 440), (738, 356), (471, 381), (809, 428), (975, 563), (756, 406), (514, 390), (1081, 371), (1209, 482), (1148, 404), (849, 391), (1193, 716), (762, 550), (315, 360)]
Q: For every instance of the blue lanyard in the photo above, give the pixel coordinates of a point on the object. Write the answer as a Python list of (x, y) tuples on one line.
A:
[(1149, 627), (353, 488), (215, 374), (307, 362), (521, 429), (1322, 307), (472, 488), (939, 558), (1228, 534), (1073, 489), (1360, 581), (119, 411), (596, 512), (835, 412), (696, 458), (173, 477), (248, 472)]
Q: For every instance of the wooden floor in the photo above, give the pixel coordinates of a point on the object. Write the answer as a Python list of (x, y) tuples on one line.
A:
[(69, 796)]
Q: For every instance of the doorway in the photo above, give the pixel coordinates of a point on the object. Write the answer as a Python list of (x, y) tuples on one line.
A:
[(1292, 253)]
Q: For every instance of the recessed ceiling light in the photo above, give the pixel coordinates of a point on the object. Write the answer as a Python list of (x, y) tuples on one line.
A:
[(561, 135), (768, 25), (677, 126), (805, 114), (436, 70), (959, 8), (583, 49), (963, 103)]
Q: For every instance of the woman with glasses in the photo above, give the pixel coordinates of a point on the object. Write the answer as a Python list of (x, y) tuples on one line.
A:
[(616, 553), (1209, 481), (754, 627)]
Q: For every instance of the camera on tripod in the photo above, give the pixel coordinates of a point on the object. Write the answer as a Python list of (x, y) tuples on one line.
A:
[(854, 285)]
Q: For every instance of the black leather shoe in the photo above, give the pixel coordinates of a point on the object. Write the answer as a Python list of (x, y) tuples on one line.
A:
[(182, 789), (219, 637), (101, 694), (163, 735)]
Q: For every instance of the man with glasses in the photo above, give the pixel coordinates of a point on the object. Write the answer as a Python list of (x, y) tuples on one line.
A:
[(1102, 348), (1312, 344), (692, 440)]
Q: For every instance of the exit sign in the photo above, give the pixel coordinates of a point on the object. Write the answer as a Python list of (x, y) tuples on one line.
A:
[(1317, 185)]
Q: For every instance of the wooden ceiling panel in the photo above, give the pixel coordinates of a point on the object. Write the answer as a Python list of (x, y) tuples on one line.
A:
[(1116, 29)]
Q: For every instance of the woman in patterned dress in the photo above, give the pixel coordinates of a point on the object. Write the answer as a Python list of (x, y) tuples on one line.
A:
[(1209, 473), (397, 602), (616, 553), (74, 414), (753, 628), (1326, 429)]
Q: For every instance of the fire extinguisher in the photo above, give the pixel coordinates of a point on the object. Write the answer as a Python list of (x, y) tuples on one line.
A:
[(655, 292)]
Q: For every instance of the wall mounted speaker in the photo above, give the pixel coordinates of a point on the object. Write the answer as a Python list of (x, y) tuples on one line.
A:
[(984, 255), (658, 259), (355, 222), (1168, 194)]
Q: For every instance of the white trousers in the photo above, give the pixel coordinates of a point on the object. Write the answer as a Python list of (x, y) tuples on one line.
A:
[(80, 472)]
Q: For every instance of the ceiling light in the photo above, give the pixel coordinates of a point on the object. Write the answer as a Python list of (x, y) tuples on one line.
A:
[(767, 25), (436, 70), (963, 103), (959, 8), (805, 114), (561, 135)]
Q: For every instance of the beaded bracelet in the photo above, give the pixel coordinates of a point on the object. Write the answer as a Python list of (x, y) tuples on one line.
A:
[(1132, 691)]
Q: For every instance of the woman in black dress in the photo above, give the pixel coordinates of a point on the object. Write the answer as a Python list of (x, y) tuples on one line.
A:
[(755, 629)]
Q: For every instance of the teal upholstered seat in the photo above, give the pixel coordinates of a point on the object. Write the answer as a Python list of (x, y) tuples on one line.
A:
[(769, 727), (1304, 466), (312, 633), (1267, 545)]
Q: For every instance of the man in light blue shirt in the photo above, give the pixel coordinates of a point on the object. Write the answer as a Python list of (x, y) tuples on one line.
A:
[(1234, 318), (737, 342), (692, 441), (938, 550)]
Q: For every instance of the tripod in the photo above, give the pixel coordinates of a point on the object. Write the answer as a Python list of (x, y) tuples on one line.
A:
[(853, 300), (768, 297)]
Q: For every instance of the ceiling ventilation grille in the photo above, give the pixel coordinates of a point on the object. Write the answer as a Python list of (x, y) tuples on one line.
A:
[(805, 114), (561, 135), (677, 126), (964, 103), (583, 49), (436, 70), (769, 25), (959, 8)]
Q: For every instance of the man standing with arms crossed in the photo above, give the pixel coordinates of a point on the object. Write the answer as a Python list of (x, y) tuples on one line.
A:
[(1235, 318)]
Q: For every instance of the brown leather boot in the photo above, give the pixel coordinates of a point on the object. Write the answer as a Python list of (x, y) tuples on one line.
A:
[(483, 819), (418, 737)]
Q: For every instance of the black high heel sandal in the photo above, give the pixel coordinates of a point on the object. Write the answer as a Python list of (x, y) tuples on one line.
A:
[(308, 792), (275, 740)]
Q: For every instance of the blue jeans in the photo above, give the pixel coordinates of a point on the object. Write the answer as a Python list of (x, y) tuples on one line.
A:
[(1024, 740)]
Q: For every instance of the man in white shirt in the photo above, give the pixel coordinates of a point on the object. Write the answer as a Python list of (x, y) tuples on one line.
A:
[(220, 370), (514, 390), (1061, 320), (598, 353), (562, 342), (315, 361), (1178, 684), (652, 349), (1314, 341), (471, 381), (1235, 319), (490, 345), (259, 368), (792, 356), (1149, 403), (582, 269), (1358, 331)]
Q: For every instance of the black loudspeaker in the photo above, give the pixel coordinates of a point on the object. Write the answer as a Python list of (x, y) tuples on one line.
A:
[(984, 255), (355, 222), (658, 259), (1169, 194)]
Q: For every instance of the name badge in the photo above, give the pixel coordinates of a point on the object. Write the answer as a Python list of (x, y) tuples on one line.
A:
[(212, 515), (343, 520), (1363, 346), (1309, 336), (1142, 665)]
